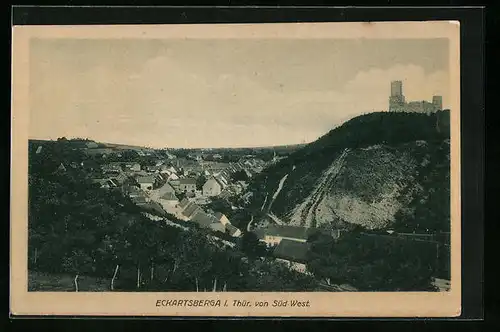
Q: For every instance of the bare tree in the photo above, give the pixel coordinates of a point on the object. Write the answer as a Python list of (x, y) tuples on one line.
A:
[(138, 276), (114, 277), (76, 283)]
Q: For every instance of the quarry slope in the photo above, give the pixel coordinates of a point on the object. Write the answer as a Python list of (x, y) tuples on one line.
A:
[(363, 175)]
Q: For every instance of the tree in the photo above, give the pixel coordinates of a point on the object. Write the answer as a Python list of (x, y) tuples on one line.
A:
[(251, 246), (200, 181), (220, 205), (240, 175)]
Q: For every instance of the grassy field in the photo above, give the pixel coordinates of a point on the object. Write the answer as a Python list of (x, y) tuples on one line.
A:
[(45, 282)]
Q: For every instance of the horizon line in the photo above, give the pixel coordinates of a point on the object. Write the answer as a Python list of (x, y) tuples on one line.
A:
[(173, 148)]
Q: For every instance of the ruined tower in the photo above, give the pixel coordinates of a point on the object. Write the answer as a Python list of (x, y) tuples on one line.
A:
[(396, 99), (437, 101)]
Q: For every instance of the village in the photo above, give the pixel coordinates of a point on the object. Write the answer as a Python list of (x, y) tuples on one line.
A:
[(183, 187)]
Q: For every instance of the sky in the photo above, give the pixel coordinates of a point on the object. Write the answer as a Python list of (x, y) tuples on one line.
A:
[(189, 93)]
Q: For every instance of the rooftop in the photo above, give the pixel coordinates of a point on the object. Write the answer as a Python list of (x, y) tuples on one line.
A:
[(231, 229), (146, 179), (139, 200), (184, 203), (190, 210), (204, 220), (294, 232), (167, 187), (169, 196), (187, 181), (292, 250)]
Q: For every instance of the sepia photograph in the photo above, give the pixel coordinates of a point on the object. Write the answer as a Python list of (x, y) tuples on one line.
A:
[(250, 159)]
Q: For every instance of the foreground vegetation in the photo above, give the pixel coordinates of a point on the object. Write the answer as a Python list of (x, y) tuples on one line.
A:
[(378, 262)]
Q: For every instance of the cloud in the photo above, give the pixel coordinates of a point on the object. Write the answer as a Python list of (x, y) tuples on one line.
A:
[(165, 102)]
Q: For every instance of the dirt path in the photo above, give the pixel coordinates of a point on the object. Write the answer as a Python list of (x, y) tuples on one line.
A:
[(276, 193), (277, 220), (264, 204), (305, 213), (330, 177)]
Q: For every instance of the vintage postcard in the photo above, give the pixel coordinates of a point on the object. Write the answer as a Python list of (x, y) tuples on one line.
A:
[(290, 170)]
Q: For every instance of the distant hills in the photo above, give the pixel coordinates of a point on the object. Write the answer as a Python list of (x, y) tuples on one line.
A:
[(376, 170), (118, 146)]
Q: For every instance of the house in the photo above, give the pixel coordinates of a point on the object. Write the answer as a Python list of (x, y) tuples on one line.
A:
[(190, 210), (99, 151), (173, 177), (217, 227), (212, 187), (135, 167), (120, 178), (106, 183), (232, 230), (164, 170), (111, 168), (170, 197), (221, 218), (326, 287), (293, 253), (161, 178), (184, 203), (187, 185), (102, 183), (172, 169), (113, 183), (205, 220), (168, 200), (166, 188), (442, 284), (191, 194), (140, 200), (222, 180), (273, 235), (133, 191), (61, 168), (170, 156), (153, 169), (146, 182), (91, 145), (248, 172)]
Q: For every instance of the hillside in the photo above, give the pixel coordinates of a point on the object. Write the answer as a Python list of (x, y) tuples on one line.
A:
[(376, 170)]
